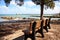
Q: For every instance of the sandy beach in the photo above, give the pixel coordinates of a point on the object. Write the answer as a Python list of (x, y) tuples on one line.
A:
[(53, 34)]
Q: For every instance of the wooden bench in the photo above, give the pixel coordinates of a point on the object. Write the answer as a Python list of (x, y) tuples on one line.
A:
[(38, 23), (36, 26), (49, 23), (46, 24), (40, 28), (30, 33)]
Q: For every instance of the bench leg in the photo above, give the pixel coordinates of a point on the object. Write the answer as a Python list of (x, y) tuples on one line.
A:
[(25, 38), (49, 26), (41, 32), (45, 27), (32, 36)]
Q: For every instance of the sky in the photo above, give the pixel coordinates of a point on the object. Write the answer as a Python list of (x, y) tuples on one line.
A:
[(27, 8)]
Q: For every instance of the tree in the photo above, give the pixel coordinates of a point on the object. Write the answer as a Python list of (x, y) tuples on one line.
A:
[(47, 3)]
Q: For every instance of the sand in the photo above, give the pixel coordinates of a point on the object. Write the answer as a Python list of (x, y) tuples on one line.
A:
[(53, 34)]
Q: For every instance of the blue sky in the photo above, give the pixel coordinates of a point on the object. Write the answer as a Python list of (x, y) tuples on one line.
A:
[(27, 8)]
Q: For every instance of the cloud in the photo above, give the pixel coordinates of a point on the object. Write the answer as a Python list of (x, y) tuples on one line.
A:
[(13, 2), (29, 3), (28, 8), (4, 9)]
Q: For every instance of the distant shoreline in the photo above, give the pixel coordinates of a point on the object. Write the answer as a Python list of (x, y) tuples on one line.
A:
[(47, 16)]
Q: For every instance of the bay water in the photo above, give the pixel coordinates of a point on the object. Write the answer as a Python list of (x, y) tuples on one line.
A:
[(23, 16)]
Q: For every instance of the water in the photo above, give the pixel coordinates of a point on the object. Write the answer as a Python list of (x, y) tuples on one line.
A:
[(24, 16), (15, 15)]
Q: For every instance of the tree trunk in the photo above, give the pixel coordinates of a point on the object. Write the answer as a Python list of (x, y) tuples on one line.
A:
[(42, 8)]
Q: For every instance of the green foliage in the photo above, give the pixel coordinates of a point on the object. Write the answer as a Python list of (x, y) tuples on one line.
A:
[(47, 3), (50, 4), (7, 2)]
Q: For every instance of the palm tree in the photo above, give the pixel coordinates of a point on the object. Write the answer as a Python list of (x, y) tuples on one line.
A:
[(47, 3)]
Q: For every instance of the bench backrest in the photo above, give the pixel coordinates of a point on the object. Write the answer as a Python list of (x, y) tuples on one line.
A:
[(45, 22), (33, 27), (38, 24), (49, 20)]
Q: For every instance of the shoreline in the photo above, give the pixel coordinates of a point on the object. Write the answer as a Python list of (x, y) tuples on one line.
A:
[(23, 19)]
